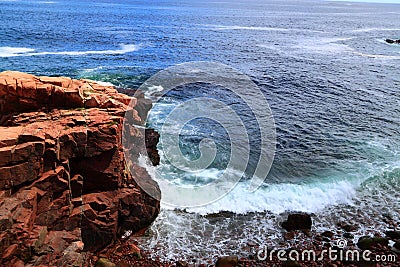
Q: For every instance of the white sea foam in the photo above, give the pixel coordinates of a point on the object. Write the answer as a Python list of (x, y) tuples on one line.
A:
[(104, 83), (276, 198), (279, 198), (22, 51), (7, 51), (324, 45), (375, 29), (154, 89), (254, 28), (250, 28), (377, 56)]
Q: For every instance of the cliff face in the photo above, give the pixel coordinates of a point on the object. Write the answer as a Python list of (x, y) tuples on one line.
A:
[(64, 185)]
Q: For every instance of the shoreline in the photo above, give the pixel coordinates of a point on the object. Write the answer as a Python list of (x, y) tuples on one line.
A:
[(339, 242), (72, 122)]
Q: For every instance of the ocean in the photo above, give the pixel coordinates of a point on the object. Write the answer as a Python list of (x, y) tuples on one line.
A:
[(331, 82)]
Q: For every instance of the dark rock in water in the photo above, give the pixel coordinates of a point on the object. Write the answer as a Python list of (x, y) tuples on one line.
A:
[(367, 242), (348, 235), (307, 232), (228, 261), (289, 236), (221, 214), (347, 227), (251, 244), (297, 221), (393, 234), (152, 137), (391, 41), (328, 234), (181, 264)]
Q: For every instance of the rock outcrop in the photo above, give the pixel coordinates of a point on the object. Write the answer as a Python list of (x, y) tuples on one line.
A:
[(65, 189), (391, 41), (297, 221)]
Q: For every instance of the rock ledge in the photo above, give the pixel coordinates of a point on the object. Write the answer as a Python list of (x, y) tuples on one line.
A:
[(64, 186)]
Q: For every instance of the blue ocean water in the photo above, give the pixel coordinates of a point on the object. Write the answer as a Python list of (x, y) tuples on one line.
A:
[(331, 81)]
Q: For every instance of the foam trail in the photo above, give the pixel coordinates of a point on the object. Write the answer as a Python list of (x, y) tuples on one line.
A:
[(279, 198), (7, 51), (375, 29), (377, 56), (22, 51), (253, 28), (276, 198)]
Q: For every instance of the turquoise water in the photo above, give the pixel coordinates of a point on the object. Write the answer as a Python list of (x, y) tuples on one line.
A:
[(331, 81)]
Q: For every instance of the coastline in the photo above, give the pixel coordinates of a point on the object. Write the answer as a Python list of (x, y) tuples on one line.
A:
[(35, 241)]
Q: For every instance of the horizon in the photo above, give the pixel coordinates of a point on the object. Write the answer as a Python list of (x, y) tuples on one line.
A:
[(368, 1)]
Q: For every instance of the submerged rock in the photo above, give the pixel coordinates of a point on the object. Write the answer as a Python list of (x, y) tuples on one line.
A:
[(297, 221), (63, 175), (227, 261), (367, 242), (394, 235), (391, 41), (347, 227)]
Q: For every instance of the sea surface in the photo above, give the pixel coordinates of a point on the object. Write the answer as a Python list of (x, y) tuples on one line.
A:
[(331, 81)]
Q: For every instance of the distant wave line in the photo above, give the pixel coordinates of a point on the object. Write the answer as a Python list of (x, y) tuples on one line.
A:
[(7, 51), (254, 28)]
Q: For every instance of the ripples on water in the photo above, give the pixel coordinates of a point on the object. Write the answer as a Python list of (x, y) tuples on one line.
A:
[(330, 79)]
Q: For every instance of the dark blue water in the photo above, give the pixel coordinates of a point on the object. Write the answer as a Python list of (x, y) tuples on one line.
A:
[(331, 81)]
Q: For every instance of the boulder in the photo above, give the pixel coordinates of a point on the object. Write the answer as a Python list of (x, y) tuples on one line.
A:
[(227, 261), (367, 242), (394, 235), (347, 227), (392, 41), (297, 221), (328, 234), (152, 137)]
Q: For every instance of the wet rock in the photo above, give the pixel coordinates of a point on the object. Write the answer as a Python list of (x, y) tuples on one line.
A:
[(289, 235), (152, 138), (393, 234), (392, 41), (307, 232), (347, 227), (181, 264), (328, 234), (297, 221), (251, 244), (102, 262), (227, 261), (348, 235), (367, 242)]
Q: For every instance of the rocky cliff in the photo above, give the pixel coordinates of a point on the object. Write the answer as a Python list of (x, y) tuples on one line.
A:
[(65, 189)]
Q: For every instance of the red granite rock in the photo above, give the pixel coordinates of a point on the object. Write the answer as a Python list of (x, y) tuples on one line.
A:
[(64, 186)]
